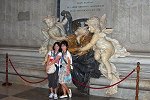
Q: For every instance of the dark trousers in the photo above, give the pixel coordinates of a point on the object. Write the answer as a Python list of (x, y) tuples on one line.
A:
[(53, 79)]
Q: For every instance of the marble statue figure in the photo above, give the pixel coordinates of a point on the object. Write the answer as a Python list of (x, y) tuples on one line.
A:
[(68, 26), (84, 39), (54, 32), (105, 48)]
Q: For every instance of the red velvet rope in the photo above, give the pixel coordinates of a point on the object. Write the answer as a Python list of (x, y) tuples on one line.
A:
[(73, 79), (24, 78), (104, 86)]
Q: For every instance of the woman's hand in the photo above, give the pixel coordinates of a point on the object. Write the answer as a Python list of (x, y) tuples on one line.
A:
[(67, 73), (68, 70)]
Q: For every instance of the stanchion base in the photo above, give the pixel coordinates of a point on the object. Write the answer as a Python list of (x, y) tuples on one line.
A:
[(6, 84)]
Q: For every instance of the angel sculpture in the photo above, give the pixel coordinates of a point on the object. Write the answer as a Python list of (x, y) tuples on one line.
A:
[(105, 48), (54, 32)]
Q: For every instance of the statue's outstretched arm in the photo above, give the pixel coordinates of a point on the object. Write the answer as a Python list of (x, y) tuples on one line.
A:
[(91, 44), (58, 38), (64, 22)]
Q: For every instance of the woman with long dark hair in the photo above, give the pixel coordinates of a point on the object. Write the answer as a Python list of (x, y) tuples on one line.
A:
[(64, 73), (54, 56)]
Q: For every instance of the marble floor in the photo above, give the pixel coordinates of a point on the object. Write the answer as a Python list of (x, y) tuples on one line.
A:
[(22, 92)]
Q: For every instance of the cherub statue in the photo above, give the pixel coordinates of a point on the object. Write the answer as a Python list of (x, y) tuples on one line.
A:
[(54, 32), (104, 48)]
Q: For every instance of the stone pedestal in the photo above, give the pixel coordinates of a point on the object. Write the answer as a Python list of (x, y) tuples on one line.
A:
[(126, 88)]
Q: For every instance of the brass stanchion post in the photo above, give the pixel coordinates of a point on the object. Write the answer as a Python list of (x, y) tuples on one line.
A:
[(137, 80), (6, 78)]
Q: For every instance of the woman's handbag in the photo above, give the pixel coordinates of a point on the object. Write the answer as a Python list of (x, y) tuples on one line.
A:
[(68, 78), (52, 69)]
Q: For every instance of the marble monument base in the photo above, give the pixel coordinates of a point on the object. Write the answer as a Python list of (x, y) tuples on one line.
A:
[(126, 89)]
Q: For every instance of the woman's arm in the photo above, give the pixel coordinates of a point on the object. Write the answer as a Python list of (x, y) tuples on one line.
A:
[(68, 65), (53, 62)]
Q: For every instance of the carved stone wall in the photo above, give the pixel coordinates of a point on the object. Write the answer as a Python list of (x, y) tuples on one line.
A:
[(129, 18), (131, 23), (21, 21)]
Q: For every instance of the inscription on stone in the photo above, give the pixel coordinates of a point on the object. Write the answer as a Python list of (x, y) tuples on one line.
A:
[(85, 8)]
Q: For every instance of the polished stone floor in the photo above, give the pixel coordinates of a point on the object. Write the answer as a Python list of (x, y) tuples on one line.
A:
[(22, 92)]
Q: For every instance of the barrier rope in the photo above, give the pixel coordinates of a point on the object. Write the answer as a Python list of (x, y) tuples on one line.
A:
[(104, 86), (81, 84), (75, 80), (24, 78)]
